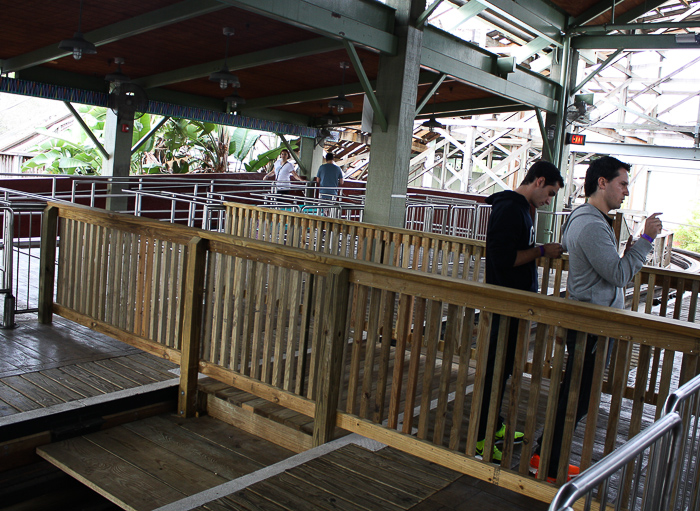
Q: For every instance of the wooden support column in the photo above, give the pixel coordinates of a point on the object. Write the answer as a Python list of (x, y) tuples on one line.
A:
[(192, 325), (47, 263), (332, 356)]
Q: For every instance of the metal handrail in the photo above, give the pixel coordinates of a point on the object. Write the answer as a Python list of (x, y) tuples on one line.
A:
[(662, 438)]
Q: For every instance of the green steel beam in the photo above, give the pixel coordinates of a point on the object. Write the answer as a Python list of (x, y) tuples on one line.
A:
[(320, 94), (592, 29), (464, 14), (429, 93), (87, 130), (536, 16), (630, 42), (641, 9), (426, 14), (473, 65), (366, 85), (43, 74), (285, 142), (595, 73), (364, 22), (455, 108), (257, 58), (123, 29), (530, 49), (606, 5), (148, 135), (546, 148)]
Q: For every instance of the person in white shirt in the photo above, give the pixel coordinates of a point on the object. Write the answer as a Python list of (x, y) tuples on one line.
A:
[(284, 173)]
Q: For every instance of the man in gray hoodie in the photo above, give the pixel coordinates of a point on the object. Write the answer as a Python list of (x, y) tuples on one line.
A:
[(597, 275)]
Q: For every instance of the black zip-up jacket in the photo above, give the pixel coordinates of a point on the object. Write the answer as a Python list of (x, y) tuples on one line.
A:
[(510, 229)]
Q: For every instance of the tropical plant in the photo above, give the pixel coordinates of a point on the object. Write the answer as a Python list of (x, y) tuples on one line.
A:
[(264, 160), (179, 146), (72, 151), (688, 236)]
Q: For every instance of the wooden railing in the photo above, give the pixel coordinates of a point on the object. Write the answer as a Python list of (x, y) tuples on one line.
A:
[(382, 351)]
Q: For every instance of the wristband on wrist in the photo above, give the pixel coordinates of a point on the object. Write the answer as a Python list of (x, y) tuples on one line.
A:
[(541, 247), (647, 237)]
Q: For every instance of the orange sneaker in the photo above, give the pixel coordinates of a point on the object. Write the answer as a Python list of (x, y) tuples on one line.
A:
[(535, 466)]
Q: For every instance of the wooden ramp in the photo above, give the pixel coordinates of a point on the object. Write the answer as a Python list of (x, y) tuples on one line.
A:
[(205, 464), (147, 464)]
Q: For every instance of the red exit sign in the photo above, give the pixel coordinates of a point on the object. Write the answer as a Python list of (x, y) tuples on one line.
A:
[(574, 139)]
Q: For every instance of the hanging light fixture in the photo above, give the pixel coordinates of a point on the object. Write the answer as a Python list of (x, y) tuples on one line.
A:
[(329, 119), (224, 76), (234, 101), (78, 45), (341, 102), (432, 124), (117, 76)]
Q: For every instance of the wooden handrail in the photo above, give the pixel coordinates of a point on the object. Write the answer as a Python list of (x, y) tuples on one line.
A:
[(264, 305)]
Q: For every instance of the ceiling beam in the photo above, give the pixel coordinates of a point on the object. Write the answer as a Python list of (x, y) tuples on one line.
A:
[(590, 29), (630, 42), (473, 65), (464, 14), (92, 83), (363, 22), (535, 16), (121, 30), (254, 59), (606, 5)]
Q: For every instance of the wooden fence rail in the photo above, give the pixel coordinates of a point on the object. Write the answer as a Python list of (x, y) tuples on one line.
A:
[(394, 354)]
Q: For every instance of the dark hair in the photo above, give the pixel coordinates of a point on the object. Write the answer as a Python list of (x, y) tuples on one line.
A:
[(607, 167), (330, 156), (286, 151), (545, 169)]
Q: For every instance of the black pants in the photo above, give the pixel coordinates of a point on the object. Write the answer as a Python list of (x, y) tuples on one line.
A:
[(584, 395), (511, 343)]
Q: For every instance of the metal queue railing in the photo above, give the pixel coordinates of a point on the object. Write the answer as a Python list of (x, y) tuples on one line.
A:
[(657, 469)]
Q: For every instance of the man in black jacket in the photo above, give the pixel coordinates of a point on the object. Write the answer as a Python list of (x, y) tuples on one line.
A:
[(511, 255)]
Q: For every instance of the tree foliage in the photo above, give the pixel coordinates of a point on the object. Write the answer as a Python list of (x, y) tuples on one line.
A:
[(688, 237), (179, 146)]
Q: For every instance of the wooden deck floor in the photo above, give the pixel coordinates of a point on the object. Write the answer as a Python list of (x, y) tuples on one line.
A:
[(49, 368)]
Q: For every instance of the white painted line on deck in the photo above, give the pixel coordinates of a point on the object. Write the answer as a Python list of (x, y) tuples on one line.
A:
[(199, 499), (86, 401)]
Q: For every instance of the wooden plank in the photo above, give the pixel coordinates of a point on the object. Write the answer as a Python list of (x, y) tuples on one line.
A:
[(336, 483), (192, 320), (248, 421), (516, 383), (482, 342), (464, 354), (294, 493), (136, 377), (293, 331), (406, 482), (384, 494), (110, 376), (249, 501), (110, 476), (31, 391), (452, 334), (187, 445), (76, 385), (89, 378), (375, 304), (434, 324), (234, 439), (47, 263), (167, 466), (16, 399), (413, 379), (51, 386), (332, 352)]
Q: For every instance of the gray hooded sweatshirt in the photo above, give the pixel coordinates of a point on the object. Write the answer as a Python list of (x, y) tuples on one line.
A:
[(596, 271)]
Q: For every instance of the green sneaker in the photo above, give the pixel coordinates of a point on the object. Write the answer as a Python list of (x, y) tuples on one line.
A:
[(495, 457), (501, 435)]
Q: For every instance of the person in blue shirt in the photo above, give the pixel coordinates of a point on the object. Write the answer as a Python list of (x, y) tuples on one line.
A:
[(329, 178)]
